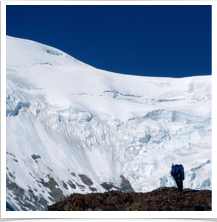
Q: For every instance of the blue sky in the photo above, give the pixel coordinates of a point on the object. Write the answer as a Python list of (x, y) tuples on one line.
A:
[(161, 41)]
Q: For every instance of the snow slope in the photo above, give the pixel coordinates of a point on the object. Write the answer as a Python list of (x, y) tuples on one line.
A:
[(72, 127)]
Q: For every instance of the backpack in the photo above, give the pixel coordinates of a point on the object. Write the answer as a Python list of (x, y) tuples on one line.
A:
[(182, 171), (175, 170)]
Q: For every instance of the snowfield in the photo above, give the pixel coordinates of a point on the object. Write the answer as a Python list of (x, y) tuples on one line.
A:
[(72, 127)]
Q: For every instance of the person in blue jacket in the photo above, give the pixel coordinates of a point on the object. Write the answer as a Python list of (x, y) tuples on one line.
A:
[(177, 172)]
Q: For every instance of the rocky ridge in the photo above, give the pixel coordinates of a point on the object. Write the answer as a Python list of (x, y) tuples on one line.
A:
[(161, 199)]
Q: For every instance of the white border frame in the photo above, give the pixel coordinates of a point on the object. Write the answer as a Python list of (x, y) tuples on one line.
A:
[(102, 214)]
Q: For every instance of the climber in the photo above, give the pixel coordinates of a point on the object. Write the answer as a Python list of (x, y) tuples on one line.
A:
[(177, 172)]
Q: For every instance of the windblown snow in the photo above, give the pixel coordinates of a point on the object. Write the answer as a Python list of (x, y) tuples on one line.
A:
[(72, 127)]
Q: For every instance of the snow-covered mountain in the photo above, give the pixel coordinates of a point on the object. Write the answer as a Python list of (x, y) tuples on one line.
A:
[(72, 128)]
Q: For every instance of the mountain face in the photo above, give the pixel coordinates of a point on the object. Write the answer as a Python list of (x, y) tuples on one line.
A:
[(72, 128)]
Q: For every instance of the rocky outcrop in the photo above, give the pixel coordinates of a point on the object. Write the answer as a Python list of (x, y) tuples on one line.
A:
[(161, 199), (56, 192), (125, 185), (26, 199)]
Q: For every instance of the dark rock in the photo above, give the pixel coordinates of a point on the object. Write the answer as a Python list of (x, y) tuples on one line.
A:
[(50, 169), (92, 188), (109, 186), (80, 186), (24, 198), (125, 185), (35, 157), (65, 185), (161, 199), (56, 193), (73, 174), (15, 160), (72, 185), (86, 180)]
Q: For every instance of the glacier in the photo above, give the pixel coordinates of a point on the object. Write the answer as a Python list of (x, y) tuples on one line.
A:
[(73, 128)]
